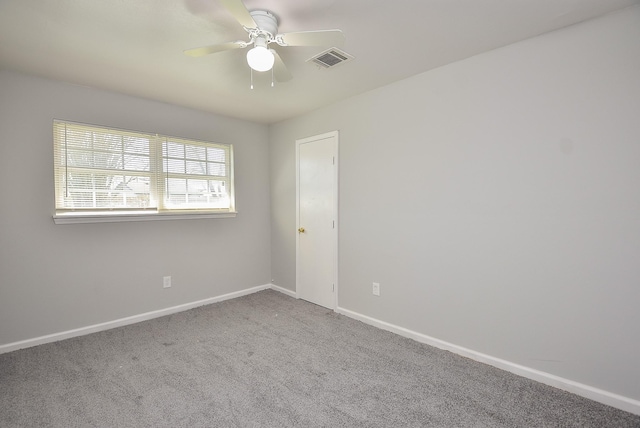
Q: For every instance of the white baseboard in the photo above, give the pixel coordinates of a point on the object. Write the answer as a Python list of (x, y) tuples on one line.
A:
[(284, 291), (126, 321), (614, 400)]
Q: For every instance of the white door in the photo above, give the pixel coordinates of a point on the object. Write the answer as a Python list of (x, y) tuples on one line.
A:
[(317, 202)]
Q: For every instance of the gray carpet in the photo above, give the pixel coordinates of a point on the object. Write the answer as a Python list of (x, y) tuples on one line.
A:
[(267, 360)]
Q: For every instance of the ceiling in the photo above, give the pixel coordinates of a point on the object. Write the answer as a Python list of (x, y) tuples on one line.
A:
[(136, 46)]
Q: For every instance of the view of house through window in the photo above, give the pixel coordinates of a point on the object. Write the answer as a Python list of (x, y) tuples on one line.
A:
[(112, 171)]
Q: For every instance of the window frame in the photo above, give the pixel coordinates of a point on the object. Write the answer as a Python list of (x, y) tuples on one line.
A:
[(157, 172)]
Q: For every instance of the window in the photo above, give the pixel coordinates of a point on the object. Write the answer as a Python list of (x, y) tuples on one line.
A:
[(103, 173)]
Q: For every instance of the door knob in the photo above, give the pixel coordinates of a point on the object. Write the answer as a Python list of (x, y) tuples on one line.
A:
[(301, 230)]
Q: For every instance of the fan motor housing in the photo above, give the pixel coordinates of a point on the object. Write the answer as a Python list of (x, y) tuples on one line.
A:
[(266, 21)]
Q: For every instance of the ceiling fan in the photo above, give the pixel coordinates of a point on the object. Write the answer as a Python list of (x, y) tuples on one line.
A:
[(262, 28)]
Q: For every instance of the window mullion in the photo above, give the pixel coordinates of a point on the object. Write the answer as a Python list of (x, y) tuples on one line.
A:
[(158, 170)]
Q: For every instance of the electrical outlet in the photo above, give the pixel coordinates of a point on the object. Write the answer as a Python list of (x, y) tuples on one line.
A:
[(376, 289), (166, 282)]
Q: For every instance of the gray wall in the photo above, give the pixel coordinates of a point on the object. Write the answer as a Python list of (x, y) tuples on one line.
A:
[(54, 278), (496, 201)]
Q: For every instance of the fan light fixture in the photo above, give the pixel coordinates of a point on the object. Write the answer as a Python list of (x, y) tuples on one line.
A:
[(260, 58), (262, 28)]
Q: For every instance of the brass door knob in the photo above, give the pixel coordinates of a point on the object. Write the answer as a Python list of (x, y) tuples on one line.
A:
[(301, 230)]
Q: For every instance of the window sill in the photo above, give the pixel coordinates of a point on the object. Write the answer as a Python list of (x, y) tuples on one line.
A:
[(71, 218)]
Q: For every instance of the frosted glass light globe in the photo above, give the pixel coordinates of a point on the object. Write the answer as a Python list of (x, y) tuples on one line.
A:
[(260, 58)]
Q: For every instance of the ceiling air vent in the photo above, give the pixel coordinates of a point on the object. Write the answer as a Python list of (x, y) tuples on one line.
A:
[(330, 58)]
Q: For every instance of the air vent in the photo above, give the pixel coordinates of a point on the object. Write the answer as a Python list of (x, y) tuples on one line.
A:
[(330, 58)]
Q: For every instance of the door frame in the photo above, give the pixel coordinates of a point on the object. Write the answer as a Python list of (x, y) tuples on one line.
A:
[(334, 237)]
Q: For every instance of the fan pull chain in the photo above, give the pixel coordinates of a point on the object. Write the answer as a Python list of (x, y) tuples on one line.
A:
[(272, 76), (251, 77)]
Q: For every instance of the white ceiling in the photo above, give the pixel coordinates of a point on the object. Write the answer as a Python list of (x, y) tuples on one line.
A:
[(136, 46)]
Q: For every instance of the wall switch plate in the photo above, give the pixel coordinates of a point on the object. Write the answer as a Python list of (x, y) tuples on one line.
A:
[(376, 289), (166, 282)]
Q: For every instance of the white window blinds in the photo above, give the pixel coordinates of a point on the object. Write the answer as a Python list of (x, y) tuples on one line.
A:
[(102, 170)]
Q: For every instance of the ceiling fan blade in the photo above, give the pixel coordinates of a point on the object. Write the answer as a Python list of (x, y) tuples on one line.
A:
[(206, 50), (240, 12), (280, 71), (311, 38)]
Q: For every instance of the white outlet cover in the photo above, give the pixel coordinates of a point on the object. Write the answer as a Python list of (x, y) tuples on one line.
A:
[(376, 289)]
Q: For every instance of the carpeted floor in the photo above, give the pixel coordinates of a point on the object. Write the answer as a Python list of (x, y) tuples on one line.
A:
[(267, 360)]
